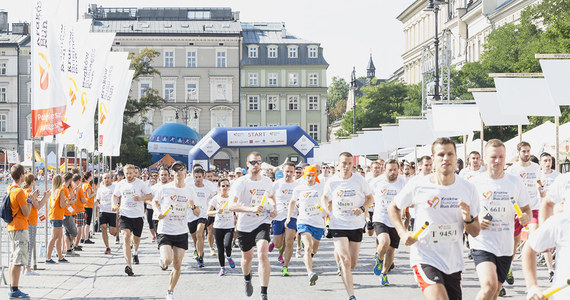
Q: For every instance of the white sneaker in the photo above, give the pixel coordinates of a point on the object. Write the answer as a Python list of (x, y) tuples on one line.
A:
[(169, 295), (162, 265), (31, 273), (299, 252)]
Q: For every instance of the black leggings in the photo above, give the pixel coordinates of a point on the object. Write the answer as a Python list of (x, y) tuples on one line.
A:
[(149, 218), (223, 239)]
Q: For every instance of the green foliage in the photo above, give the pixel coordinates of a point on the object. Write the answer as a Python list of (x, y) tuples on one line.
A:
[(338, 90), (337, 111), (134, 147)]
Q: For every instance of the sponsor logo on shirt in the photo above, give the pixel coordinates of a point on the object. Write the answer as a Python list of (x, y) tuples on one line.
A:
[(253, 191), (488, 195), (523, 175), (340, 193), (383, 191), (433, 202)]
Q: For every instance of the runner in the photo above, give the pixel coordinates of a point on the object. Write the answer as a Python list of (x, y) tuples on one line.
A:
[(18, 229), (107, 218), (224, 224), (547, 177), (553, 233), (58, 200), (209, 182), (310, 221), (197, 223), (346, 198), (529, 172), (284, 236), (492, 248), (175, 198), (130, 195), (387, 240), (90, 194), (473, 166), (375, 172), (79, 208), (254, 219), (163, 178), (448, 202)]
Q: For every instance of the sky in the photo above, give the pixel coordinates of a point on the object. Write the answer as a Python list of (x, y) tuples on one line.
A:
[(348, 31)]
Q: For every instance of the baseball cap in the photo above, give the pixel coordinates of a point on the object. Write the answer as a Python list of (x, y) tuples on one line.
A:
[(177, 163), (239, 170)]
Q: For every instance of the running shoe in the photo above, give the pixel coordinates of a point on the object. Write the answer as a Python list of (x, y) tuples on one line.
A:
[(384, 280), (77, 248), (550, 276), (222, 271), (271, 246), (63, 260), (248, 288), (231, 262), (299, 252), (212, 252), (88, 241), (264, 297), (108, 251), (136, 259), (201, 263), (71, 253), (117, 241), (378, 267), (50, 261), (34, 273), (502, 292), (129, 271), (17, 294), (352, 298), (510, 278), (154, 239), (313, 278), (280, 259), (169, 295), (196, 254), (285, 271)]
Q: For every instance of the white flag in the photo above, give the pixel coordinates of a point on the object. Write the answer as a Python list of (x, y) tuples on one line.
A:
[(28, 145), (110, 121), (117, 115)]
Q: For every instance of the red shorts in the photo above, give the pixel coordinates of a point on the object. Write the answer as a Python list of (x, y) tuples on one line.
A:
[(534, 220)]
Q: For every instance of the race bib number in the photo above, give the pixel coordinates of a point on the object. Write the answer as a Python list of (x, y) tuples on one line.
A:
[(384, 201), (344, 207), (500, 210), (179, 209), (312, 210), (128, 198), (226, 215), (444, 233)]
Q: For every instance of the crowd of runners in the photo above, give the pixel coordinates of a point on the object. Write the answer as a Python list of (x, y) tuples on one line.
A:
[(438, 210)]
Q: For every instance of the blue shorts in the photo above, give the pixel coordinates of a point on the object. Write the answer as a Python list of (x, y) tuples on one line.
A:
[(316, 232), (56, 223), (279, 226)]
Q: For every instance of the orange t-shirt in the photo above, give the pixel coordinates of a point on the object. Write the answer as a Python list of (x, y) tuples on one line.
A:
[(69, 209), (78, 204), (17, 200), (33, 216), (87, 188), (56, 211)]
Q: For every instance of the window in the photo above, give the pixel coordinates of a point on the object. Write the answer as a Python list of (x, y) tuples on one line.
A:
[(221, 89), (3, 122), (169, 117), (220, 59), (313, 79), (293, 103), (314, 131), (169, 59), (253, 125), (198, 15), (221, 116), (252, 79), (3, 95), (169, 94), (293, 79), (313, 52), (3, 68), (252, 103), (272, 81), (252, 52), (272, 124), (313, 102), (191, 59), (272, 102), (192, 91), (272, 52), (293, 52), (144, 87)]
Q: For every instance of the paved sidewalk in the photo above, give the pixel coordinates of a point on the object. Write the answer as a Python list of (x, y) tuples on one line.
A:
[(95, 275)]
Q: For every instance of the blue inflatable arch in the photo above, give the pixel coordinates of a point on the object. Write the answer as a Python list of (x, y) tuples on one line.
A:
[(251, 137)]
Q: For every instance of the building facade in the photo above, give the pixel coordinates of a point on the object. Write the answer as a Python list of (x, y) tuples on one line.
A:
[(15, 64), (468, 22), (199, 64), (283, 82)]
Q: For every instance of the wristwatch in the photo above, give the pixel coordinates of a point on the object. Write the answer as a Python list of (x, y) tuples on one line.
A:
[(363, 209), (472, 220), (193, 207)]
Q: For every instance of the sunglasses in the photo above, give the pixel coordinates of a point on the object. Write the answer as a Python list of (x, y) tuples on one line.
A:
[(255, 162), (178, 169), (224, 185), (324, 167)]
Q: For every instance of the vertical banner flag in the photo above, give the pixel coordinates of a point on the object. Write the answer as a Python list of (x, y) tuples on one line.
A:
[(84, 88), (28, 150), (118, 106), (48, 101), (113, 80)]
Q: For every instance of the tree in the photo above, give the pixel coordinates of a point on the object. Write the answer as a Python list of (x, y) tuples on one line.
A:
[(338, 90), (337, 112), (134, 146)]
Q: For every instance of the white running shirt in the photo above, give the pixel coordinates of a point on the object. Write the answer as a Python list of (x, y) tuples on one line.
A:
[(346, 195), (126, 190), (495, 198), (560, 189), (441, 244), (105, 197), (384, 193), (529, 176), (283, 193), (250, 194), (203, 196), (170, 196), (225, 220), (308, 202)]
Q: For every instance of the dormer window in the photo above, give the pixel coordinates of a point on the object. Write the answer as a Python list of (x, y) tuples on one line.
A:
[(272, 51), (292, 50)]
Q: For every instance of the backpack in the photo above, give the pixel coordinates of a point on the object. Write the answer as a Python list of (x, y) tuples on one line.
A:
[(6, 209)]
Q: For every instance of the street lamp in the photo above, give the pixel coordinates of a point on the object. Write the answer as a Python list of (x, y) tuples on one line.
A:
[(185, 110), (353, 87), (434, 6)]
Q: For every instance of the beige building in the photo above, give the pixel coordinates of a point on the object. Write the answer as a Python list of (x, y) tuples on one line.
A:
[(469, 23)]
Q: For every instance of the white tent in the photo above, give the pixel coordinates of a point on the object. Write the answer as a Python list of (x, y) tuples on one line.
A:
[(538, 137)]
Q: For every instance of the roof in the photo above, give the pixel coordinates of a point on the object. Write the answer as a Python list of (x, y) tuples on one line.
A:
[(177, 27), (8, 38), (370, 64), (269, 33), (162, 13)]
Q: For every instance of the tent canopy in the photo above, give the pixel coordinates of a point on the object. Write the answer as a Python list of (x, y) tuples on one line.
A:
[(166, 161)]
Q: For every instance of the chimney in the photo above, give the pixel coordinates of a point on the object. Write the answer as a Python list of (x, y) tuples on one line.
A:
[(3, 21), (20, 28), (235, 15), (283, 31)]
